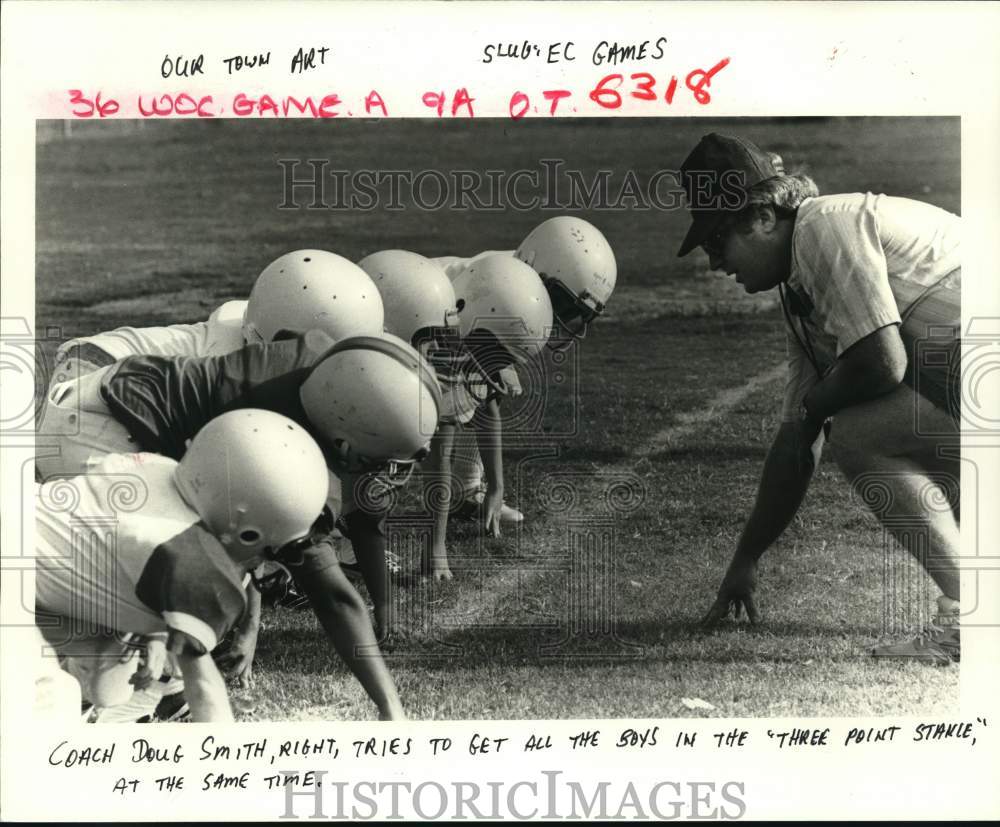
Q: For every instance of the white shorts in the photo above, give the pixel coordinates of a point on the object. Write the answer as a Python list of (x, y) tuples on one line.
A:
[(76, 430), (57, 693), (102, 664)]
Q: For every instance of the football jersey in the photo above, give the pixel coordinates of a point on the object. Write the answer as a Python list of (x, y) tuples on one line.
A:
[(120, 549), (222, 333), (164, 401)]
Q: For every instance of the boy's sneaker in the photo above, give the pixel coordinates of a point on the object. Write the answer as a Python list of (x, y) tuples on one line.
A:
[(471, 508), (171, 708), (934, 644)]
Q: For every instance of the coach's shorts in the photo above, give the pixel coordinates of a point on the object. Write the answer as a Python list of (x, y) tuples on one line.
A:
[(76, 430), (931, 330)]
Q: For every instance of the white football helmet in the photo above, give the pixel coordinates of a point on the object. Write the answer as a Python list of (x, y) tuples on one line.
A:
[(374, 404), (577, 266), (256, 479), (504, 311), (417, 295), (312, 289)]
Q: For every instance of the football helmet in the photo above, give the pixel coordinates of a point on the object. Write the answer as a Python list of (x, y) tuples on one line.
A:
[(420, 307), (257, 480), (374, 403), (417, 296), (577, 266), (504, 316), (312, 289)]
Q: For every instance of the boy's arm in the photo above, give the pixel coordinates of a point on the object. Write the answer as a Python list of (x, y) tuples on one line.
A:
[(437, 496), (489, 434), (237, 660), (367, 536), (344, 618), (204, 686)]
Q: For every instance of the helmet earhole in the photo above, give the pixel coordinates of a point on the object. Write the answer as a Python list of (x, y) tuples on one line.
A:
[(460, 304), (249, 536)]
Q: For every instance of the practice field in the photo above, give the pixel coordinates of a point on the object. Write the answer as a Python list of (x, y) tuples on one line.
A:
[(635, 459)]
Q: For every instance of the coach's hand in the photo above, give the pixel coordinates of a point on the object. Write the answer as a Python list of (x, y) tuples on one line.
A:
[(736, 594)]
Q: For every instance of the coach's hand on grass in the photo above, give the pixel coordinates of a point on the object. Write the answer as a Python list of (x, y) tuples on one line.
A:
[(736, 595)]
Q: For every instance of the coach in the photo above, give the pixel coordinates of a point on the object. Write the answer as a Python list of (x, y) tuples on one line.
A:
[(870, 287)]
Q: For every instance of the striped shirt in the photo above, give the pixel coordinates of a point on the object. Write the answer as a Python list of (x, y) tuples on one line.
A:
[(861, 262)]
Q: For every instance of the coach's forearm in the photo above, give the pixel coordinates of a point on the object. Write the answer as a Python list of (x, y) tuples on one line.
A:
[(871, 368), (344, 618), (783, 486)]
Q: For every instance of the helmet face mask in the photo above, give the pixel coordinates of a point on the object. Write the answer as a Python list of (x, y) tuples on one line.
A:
[(571, 313), (394, 471)]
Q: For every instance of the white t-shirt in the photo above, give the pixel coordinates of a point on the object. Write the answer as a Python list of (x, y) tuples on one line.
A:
[(220, 334), (858, 262)]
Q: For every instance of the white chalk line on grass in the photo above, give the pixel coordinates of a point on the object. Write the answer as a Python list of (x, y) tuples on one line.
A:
[(504, 584), (689, 422), (501, 588)]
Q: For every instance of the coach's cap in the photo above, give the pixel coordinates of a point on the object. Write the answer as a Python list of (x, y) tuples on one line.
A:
[(716, 177)]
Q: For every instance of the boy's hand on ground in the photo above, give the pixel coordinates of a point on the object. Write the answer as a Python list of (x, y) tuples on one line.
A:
[(236, 663), (435, 566), (492, 511)]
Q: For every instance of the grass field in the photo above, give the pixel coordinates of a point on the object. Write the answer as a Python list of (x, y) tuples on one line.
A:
[(636, 475)]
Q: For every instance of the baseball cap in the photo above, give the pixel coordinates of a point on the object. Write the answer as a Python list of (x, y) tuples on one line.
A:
[(716, 177)]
